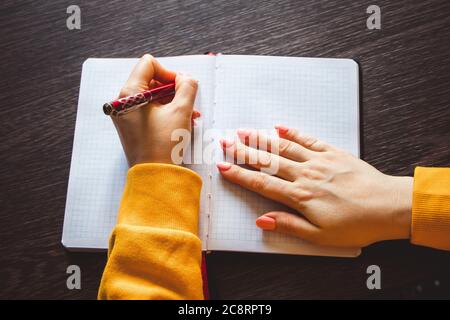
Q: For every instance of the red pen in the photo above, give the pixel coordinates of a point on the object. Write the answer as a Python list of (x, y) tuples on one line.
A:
[(130, 103)]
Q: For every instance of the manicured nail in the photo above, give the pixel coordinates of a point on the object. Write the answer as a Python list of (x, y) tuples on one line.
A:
[(225, 143), (266, 223), (243, 133), (196, 114), (281, 129), (223, 166)]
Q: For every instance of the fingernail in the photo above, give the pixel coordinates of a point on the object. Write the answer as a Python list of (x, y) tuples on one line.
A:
[(243, 133), (196, 114), (223, 166), (281, 129), (225, 143), (266, 223)]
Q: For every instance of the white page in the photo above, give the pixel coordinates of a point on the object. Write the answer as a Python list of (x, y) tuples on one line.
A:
[(317, 96), (98, 168)]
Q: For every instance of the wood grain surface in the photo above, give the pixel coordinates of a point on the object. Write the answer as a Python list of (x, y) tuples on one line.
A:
[(405, 70)]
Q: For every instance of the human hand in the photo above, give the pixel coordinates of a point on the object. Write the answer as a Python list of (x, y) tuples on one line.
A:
[(339, 199), (146, 132)]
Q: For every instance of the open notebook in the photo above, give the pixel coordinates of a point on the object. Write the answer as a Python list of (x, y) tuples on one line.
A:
[(318, 96)]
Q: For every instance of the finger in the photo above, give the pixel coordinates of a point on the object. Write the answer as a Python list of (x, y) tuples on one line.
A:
[(185, 92), (259, 159), (266, 185), (154, 84), (284, 148), (163, 100), (308, 142), (289, 223), (147, 69)]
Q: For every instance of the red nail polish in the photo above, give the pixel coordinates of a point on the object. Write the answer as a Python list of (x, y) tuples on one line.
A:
[(223, 166), (266, 223), (281, 129)]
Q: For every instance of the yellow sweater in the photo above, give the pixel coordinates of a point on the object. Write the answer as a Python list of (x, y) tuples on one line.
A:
[(154, 251)]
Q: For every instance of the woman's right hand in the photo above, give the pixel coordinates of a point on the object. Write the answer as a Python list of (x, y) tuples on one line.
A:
[(339, 199), (146, 133)]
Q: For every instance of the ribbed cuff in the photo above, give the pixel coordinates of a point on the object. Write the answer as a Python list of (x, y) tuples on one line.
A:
[(431, 208)]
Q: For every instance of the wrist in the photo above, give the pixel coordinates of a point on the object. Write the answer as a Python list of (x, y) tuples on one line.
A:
[(402, 194)]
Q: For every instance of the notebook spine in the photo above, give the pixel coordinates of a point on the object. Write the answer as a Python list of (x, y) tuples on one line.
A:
[(209, 208), (210, 189)]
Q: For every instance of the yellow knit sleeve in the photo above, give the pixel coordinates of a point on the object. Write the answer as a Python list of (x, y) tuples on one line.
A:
[(431, 208), (154, 250)]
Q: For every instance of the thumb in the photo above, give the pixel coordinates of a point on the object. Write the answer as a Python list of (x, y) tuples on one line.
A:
[(185, 92), (289, 223)]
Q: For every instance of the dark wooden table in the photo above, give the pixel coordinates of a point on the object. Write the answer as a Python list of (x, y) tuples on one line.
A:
[(405, 120)]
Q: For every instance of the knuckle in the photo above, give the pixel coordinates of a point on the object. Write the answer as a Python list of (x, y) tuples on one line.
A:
[(182, 105), (126, 91), (310, 174), (330, 156), (310, 141), (190, 82), (147, 56), (318, 165), (285, 147), (293, 133), (193, 83), (286, 222), (298, 195), (259, 181)]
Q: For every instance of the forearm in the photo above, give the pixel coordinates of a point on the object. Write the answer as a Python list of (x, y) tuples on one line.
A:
[(154, 250)]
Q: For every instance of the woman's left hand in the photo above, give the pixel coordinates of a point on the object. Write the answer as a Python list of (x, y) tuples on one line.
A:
[(339, 200)]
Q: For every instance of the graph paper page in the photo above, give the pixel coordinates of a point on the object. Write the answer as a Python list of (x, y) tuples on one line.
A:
[(317, 96), (98, 168)]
